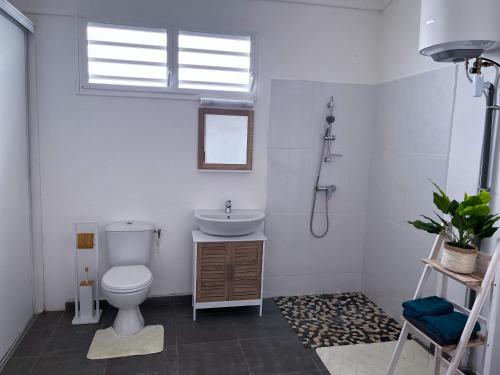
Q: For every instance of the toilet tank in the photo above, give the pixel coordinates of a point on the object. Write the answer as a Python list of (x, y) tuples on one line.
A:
[(129, 243)]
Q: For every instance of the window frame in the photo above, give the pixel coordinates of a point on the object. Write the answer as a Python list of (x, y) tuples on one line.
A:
[(172, 90), (202, 163), (84, 84), (251, 71)]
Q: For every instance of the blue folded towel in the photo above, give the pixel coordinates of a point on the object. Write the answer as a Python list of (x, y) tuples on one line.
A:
[(448, 327), (427, 306)]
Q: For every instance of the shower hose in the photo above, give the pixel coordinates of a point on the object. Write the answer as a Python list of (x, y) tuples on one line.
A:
[(315, 196), (323, 234)]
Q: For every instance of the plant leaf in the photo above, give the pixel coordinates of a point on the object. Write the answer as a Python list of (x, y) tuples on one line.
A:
[(479, 210), (441, 200), (428, 227), (485, 196)]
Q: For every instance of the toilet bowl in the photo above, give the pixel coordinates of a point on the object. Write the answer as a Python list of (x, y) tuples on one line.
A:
[(127, 283), (125, 288)]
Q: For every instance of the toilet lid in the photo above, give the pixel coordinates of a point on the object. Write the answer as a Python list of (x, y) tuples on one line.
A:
[(127, 278)]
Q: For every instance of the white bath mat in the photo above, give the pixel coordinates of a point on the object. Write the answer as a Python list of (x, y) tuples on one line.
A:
[(373, 359), (106, 344)]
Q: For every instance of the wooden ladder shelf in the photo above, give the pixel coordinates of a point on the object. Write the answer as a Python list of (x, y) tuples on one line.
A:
[(481, 281)]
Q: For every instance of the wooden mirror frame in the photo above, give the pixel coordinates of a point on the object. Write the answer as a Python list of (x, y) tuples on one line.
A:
[(202, 112)]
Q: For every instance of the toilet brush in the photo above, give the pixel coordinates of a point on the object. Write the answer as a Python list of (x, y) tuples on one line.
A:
[(86, 296)]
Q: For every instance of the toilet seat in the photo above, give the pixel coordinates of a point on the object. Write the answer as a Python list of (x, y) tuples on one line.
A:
[(127, 279)]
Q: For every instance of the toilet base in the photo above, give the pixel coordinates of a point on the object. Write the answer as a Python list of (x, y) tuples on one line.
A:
[(128, 322)]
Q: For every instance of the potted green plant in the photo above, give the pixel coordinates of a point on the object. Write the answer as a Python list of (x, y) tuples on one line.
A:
[(463, 224)]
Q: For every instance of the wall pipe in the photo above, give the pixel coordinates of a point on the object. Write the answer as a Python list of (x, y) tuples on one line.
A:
[(484, 171), (485, 165)]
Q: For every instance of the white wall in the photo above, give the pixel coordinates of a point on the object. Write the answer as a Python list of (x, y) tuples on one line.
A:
[(16, 288), (463, 173), (398, 42), (399, 58), (111, 158), (298, 263), (410, 146)]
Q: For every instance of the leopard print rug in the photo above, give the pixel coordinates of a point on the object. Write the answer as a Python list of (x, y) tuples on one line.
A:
[(337, 319)]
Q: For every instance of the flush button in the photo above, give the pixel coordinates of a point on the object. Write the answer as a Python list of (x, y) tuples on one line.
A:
[(129, 223)]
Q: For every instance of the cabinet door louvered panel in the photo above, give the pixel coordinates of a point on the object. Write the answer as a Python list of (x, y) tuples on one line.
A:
[(246, 270), (212, 272)]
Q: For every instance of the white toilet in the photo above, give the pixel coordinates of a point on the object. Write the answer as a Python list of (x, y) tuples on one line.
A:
[(127, 283)]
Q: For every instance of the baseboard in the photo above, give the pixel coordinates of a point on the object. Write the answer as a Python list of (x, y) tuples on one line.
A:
[(15, 344), (104, 304), (69, 306)]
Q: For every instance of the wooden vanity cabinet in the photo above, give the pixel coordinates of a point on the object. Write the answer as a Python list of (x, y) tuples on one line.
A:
[(245, 270), (227, 271)]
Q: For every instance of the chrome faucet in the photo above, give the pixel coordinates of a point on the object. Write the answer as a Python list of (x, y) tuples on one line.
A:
[(228, 207)]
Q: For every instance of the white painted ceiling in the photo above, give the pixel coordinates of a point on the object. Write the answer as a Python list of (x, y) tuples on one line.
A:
[(356, 4)]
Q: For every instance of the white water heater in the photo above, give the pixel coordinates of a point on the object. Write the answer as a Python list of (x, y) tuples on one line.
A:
[(456, 30)]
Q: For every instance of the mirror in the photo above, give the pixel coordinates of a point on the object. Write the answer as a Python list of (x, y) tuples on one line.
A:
[(225, 139)]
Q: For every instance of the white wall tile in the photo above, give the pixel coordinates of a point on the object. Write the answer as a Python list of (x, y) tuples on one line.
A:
[(332, 263), (278, 190), (412, 189), (294, 285), (341, 249), (288, 249), (412, 131), (302, 170)]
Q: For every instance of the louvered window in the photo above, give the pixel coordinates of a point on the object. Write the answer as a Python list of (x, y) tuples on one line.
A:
[(214, 62), (121, 58), (130, 56)]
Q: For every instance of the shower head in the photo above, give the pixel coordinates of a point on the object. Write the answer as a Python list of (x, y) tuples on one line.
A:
[(331, 104), (330, 118)]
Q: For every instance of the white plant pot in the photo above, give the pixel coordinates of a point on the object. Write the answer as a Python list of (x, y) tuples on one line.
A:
[(459, 260)]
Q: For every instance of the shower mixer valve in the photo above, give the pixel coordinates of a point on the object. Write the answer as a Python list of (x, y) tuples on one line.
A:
[(329, 189)]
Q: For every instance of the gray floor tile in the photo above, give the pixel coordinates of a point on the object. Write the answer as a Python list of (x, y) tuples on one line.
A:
[(256, 326), (209, 346), (159, 302), (319, 363), (278, 354), (223, 369), (18, 366), (211, 356), (268, 307), (164, 363), (183, 300), (49, 318), (184, 314), (69, 365), (199, 332), (34, 342), (308, 372), (159, 316), (68, 342)]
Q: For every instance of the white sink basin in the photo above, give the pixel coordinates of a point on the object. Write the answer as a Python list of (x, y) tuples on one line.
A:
[(236, 223)]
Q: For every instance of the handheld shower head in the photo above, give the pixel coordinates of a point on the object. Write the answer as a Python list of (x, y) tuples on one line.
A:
[(331, 104), (330, 118)]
